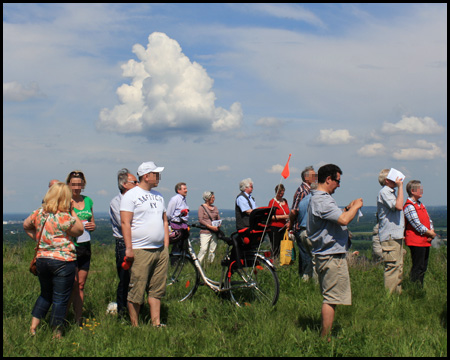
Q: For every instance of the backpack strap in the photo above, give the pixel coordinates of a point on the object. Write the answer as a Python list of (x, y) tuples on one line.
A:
[(248, 199)]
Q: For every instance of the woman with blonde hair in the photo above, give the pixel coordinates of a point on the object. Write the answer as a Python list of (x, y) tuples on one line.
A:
[(54, 227)]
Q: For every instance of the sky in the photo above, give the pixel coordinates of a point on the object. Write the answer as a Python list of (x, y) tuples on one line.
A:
[(216, 93)]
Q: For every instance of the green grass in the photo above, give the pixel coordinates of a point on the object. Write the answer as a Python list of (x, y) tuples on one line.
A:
[(377, 324)]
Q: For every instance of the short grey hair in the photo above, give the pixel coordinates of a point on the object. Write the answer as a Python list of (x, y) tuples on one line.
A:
[(382, 176), (244, 184), (122, 178), (305, 171), (207, 195), (412, 186)]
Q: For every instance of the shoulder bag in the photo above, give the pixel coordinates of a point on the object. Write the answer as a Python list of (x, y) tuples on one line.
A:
[(286, 250), (33, 268)]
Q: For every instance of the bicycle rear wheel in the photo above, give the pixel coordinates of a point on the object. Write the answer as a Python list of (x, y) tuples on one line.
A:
[(182, 278), (255, 282)]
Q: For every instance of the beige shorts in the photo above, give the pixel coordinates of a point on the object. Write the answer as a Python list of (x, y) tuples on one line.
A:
[(334, 279), (148, 274)]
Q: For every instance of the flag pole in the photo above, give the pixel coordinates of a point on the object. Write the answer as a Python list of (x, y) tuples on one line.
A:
[(284, 174)]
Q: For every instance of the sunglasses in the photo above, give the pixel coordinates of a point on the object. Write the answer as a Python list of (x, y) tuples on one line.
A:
[(76, 174)]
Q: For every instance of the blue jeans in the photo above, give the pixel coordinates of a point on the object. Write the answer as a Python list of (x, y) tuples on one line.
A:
[(56, 278), (124, 278), (303, 258)]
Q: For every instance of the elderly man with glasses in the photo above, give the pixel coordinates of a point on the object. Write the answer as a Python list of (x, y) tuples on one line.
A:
[(126, 181)]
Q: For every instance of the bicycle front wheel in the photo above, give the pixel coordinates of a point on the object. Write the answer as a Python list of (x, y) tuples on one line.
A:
[(255, 282), (182, 278)]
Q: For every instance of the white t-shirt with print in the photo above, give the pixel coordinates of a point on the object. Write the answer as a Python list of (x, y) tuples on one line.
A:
[(147, 226)]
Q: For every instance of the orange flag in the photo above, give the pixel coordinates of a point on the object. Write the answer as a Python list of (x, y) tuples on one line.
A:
[(285, 172)]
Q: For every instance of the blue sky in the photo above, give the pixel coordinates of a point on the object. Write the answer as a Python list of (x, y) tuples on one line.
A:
[(217, 93)]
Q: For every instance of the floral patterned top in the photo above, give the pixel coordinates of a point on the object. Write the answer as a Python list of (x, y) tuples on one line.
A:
[(55, 243)]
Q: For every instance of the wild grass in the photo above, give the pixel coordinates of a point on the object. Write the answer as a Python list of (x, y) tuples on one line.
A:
[(377, 324)]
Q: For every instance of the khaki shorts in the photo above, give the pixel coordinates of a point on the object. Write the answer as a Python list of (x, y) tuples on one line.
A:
[(334, 279), (148, 274)]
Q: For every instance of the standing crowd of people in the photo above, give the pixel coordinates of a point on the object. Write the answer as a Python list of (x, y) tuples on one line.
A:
[(142, 225)]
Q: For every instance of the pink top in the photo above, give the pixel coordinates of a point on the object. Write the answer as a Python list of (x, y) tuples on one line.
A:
[(55, 243), (204, 219)]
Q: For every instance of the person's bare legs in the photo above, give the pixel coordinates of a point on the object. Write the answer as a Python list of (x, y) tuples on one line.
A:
[(34, 324), (133, 310), (155, 310), (328, 311), (78, 298)]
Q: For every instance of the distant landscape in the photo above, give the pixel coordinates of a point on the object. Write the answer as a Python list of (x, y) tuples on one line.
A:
[(361, 228)]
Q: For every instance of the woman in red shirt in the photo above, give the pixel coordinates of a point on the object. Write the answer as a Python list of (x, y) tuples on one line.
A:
[(418, 231), (279, 220)]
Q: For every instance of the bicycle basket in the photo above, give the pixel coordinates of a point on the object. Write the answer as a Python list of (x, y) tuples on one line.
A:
[(176, 235)]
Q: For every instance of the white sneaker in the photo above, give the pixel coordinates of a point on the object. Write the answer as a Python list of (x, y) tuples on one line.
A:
[(112, 308)]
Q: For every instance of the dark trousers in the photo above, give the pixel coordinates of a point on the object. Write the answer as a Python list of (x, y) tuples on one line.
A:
[(56, 278), (419, 256), (124, 278), (275, 236)]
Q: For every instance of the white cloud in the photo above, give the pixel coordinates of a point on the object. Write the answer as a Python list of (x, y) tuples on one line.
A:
[(14, 91), (334, 137), (423, 151), (275, 169), (288, 11), (168, 93), (413, 125), (372, 150), (270, 122), (222, 168)]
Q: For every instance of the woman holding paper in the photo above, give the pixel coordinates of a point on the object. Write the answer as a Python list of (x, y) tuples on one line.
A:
[(208, 215), (83, 206)]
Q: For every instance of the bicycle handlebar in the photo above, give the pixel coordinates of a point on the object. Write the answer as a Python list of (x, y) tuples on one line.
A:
[(220, 234)]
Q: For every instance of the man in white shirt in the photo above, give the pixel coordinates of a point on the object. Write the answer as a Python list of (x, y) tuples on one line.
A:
[(146, 236)]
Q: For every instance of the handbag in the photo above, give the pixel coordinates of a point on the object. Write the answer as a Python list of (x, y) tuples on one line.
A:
[(33, 268), (286, 250)]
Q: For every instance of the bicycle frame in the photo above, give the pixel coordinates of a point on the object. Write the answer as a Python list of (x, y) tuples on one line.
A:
[(216, 286)]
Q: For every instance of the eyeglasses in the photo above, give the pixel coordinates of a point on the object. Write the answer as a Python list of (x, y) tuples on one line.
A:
[(338, 181), (133, 182)]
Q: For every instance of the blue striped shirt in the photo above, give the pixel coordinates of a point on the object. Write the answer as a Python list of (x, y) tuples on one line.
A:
[(391, 221)]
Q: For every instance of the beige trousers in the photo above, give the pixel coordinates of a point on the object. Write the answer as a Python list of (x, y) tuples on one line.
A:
[(392, 251)]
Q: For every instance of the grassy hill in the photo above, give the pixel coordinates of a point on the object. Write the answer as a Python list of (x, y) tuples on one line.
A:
[(377, 324)]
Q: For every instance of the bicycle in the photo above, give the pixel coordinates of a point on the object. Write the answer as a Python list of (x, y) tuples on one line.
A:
[(248, 276)]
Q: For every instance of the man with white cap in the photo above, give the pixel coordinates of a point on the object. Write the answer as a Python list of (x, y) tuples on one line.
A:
[(146, 236)]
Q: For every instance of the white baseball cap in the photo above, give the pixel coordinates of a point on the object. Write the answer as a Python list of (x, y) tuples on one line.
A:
[(148, 167)]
